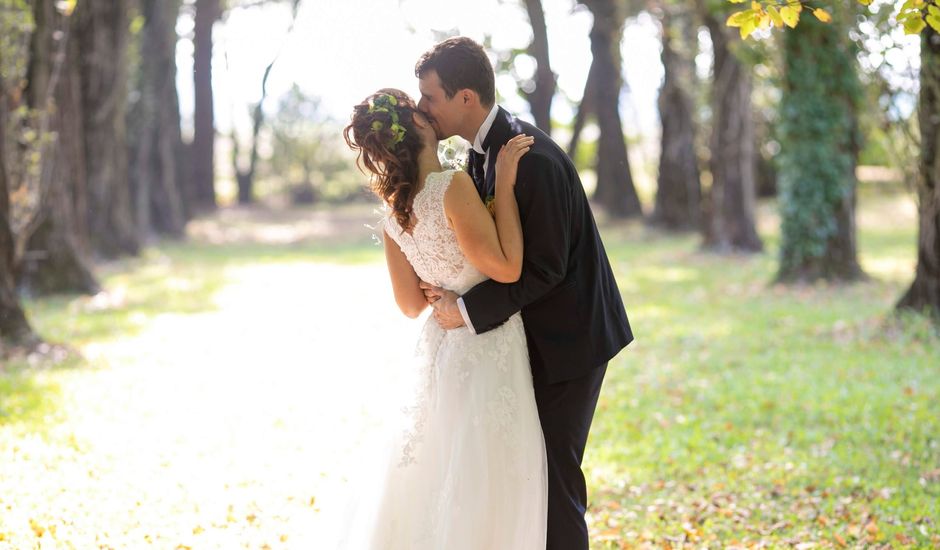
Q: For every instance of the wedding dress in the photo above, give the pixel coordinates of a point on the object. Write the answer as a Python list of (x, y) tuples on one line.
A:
[(468, 472)]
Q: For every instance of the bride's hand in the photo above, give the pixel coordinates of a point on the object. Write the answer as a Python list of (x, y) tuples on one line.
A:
[(508, 159)]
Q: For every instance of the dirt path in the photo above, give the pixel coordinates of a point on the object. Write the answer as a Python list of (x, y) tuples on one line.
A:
[(214, 430)]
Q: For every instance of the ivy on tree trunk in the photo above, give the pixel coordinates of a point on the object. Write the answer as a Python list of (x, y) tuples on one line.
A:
[(820, 145)]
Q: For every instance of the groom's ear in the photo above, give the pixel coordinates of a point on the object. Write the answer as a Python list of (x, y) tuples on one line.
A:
[(468, 97)]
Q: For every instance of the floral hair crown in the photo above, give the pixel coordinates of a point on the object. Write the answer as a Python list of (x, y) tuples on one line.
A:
[(386, 103)]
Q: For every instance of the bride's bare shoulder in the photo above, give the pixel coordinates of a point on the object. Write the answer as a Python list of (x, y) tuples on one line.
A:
[(462, 177), (461, 187)]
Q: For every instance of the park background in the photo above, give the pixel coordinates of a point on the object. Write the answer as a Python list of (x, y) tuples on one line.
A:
[(196, 328)]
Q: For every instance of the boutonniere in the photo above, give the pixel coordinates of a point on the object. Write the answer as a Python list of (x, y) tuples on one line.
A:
[(490, 203)]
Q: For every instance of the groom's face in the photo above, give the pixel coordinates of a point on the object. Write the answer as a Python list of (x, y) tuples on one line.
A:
[(445, 114)]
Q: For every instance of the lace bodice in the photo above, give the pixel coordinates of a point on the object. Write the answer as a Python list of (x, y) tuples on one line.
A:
[(431, 247)]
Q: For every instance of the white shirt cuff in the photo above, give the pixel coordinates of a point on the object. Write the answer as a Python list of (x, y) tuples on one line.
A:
[(463, 313)]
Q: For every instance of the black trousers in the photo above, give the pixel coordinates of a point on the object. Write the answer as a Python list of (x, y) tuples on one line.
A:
[(566, 410)]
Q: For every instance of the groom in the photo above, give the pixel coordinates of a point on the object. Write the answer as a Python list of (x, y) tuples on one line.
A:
[(574, 318)]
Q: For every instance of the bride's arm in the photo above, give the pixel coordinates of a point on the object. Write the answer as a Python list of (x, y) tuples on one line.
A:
[(493, 247), (408, 295)]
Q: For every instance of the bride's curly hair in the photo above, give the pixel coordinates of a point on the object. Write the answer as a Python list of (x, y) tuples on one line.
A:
[(382, 130)]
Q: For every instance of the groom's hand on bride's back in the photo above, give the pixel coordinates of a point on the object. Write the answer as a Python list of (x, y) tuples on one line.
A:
[(444, 302)]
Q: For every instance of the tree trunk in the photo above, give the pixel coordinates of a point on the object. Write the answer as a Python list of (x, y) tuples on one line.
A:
[(56, 259), (14, 328), (819, 139), (924, 294), (540, 99), (765, 174), (101, 28), (730, 213), (615, 190), (158, 197), (245, 179), (678, 192), (584, 109), (202, 155)]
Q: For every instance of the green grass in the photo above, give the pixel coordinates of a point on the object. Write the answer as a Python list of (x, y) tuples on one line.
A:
[(751, 413), (745, 413)]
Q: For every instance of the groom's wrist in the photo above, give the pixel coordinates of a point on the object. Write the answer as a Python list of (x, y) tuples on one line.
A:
[(463, 313)]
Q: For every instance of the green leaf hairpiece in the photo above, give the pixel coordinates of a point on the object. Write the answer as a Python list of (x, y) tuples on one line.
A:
[(386, 103)]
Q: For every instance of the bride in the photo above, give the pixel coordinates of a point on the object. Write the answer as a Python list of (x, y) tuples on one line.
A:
[(469, 472)]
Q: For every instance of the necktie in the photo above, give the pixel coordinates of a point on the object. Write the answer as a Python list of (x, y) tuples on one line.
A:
[(475, 167)]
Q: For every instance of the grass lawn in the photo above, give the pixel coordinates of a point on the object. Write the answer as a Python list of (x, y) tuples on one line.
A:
[(746, 414)]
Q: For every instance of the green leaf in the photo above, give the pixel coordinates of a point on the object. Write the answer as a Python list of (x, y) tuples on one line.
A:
[(914, 25), (933, 10), (934, 22)]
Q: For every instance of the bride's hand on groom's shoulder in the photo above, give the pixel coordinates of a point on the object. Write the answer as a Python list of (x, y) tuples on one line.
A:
[(507, 161)]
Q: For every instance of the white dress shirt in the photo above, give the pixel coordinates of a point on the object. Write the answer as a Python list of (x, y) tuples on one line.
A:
[(478, 147)]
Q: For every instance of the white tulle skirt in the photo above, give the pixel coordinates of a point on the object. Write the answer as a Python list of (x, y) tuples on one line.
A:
[(467, 469)]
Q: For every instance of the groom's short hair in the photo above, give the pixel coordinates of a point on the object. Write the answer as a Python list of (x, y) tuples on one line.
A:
[(460, 63)]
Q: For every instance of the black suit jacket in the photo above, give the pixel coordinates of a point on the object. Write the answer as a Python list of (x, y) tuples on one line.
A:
[(571, 306)]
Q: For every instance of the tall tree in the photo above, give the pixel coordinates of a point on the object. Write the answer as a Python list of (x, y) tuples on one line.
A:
[(731, 204), (540, 97), (245, 177), (14, 327), (615, 189), (585, 107), (820, 145), (56, 257), (156, 144), (678, 192), (101, 28), (924, 293), (915, 17), (202, 151)]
